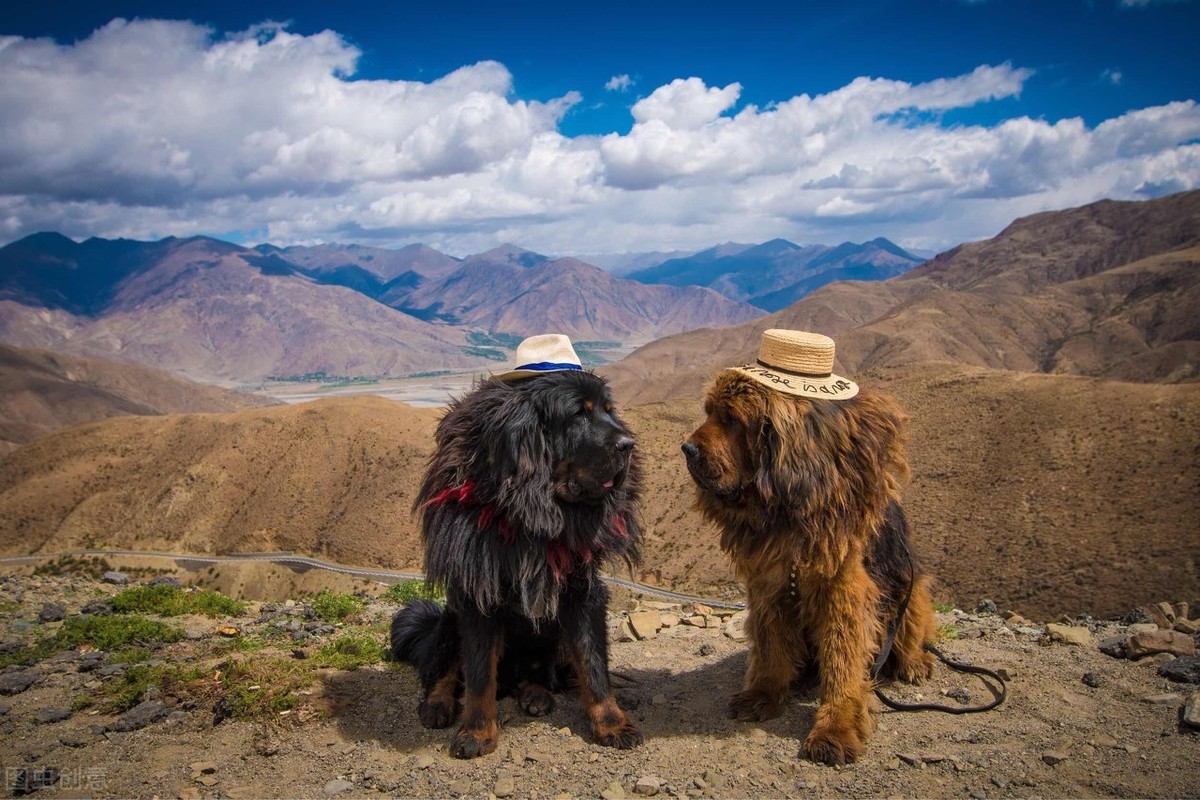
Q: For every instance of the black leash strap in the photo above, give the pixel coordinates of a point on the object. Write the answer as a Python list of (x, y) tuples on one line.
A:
[(999, 691)]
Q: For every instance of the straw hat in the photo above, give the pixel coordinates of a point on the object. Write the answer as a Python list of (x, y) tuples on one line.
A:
[(549, 352), (800, 363)]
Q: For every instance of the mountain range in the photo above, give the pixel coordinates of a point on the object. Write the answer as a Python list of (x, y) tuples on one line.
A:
[(1050, 375), (214, 311), (775, 274)]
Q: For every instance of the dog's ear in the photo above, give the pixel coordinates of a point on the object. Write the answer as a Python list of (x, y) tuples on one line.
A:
[(521, 462), (784, 475)]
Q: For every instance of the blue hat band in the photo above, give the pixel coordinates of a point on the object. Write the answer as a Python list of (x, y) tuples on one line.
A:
[(548, 366)]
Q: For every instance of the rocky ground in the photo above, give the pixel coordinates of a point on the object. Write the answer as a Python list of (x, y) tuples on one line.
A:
[(290, 699)]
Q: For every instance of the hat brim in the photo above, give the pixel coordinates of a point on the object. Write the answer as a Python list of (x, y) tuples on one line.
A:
[(830, 387), (520, 374)]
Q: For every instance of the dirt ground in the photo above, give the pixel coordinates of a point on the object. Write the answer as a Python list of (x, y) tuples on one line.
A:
[(1117, 732)]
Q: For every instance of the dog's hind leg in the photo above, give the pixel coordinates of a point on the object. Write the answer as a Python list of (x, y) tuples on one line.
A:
[(587, 640), (537, 668), (909, 660), (481, 640)]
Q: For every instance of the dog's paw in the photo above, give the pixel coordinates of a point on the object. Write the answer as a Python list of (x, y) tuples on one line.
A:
[(536, 700), (623, 737), (832, 747), (754, 706), (473, 743), (918, 670), (436, 713)]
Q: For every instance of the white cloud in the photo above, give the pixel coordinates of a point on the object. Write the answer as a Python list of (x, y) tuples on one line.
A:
[(619, 83), (150, 128)]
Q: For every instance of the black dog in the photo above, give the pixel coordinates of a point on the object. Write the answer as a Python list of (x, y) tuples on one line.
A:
[(533, 486)]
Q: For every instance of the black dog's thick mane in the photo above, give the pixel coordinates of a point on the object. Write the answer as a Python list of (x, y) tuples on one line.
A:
[(493, 529)]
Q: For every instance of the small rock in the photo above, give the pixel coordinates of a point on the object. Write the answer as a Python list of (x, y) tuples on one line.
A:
[(460, 787), (29, 780), (1053, 757), (97, 608), (648, 786), (19, 681), (1189, 627), (696, 621), (985, 606), (1191, 711), (424, 761), (1167, 610), (645, 624), (208, 780), (910, 759), (1182, 670), (46, 716), (1070, 634), (1160, 641), (1104, 741), (505, 785), (625, 632), (1093, 679), (614, 791), (203, 767), (165, 580), (706, 649), (51, 612), (337, 786), (299, 654), (668, 620), (118, 578), (1161, 699), (735, 628), (141, 715)]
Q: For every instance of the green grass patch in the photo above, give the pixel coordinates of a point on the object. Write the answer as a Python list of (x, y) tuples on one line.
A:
[(943, 608), (333, 607), (30, 654), (413, 590), (171, 601), (115, 632), (947, 631), (263, 687), (122, 694), (490, 353), (352, 649)]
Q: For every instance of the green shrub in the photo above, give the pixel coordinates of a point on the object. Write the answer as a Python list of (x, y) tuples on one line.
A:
[(333, 607), (351, 650), (170, 601), (115, 632), (413, 590)]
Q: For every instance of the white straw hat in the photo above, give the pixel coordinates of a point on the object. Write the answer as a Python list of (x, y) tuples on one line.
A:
[(799, 363), (549, 352)]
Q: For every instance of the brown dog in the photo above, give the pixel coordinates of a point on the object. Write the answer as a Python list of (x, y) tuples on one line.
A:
[(801, 472)]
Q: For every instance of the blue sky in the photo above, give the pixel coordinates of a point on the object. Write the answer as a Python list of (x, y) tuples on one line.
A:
[(586, 128)]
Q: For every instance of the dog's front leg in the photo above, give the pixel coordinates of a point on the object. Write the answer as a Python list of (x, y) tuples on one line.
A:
[(482, 640), (771, 666), (587, 639), (844, 634)]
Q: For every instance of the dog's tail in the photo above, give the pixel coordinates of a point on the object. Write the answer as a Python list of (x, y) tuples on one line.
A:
[(414, 631)]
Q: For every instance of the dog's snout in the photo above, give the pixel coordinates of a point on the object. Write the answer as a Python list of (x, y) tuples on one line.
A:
[(691, 449), (624, 444)]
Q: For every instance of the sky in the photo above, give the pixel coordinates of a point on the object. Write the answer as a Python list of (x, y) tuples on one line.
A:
[(572, 128)]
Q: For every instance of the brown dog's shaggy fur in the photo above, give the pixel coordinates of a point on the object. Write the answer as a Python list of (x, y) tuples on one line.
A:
[(805, 492)]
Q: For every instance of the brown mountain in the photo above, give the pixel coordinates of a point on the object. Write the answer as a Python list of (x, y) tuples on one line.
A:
[(385, 265), (214, 311), (41, 391), (1049, 494), (524, 296), (1108, 290)]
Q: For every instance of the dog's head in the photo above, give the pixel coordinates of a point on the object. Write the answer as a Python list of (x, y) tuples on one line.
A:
[(540, 446), (762, 454)]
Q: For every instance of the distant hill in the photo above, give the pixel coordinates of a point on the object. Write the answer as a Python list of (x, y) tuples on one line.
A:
[(777, 273), (1110, 290), (208, 310), (1038, 491), (42, 391), (523, 293), (385, 275)]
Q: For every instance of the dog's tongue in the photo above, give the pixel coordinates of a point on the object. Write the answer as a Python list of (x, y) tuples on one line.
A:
[(608, 484)]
